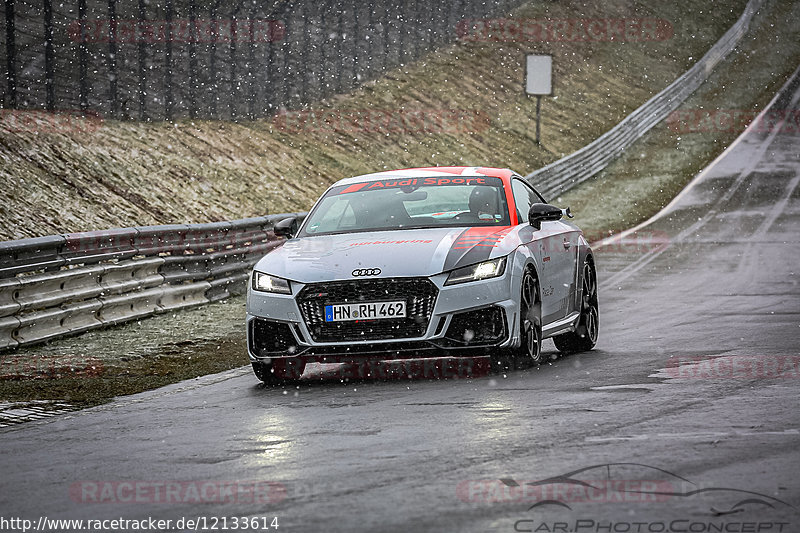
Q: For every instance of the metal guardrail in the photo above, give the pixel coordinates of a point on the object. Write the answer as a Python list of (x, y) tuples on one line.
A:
[(67, 284), (567, 172)]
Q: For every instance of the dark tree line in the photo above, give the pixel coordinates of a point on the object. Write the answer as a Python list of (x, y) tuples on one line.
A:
[(162, 59)]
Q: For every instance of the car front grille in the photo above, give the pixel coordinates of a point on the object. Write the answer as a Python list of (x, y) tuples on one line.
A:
[(418, 293)]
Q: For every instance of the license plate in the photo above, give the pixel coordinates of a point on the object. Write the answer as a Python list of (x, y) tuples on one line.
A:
[(365, 311)]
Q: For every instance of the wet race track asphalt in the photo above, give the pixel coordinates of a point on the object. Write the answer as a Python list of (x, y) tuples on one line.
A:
[(684, 418)]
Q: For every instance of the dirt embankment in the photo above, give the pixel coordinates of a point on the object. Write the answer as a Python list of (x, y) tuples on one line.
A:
[(463, 105)]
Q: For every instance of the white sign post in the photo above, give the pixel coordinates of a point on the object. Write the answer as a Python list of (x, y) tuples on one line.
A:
[(538, 81)]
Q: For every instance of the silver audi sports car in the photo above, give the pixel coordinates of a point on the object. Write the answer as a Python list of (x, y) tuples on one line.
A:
[(422, 262)]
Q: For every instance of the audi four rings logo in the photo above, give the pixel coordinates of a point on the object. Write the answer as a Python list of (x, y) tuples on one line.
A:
[(366, 271)]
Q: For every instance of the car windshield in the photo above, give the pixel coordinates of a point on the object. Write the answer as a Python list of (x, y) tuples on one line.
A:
[(409, 203)]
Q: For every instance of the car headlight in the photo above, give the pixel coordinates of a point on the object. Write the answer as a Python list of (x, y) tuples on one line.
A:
[(478, 271), (266, 283)]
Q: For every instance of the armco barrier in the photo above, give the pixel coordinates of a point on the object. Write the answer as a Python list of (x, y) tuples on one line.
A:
[(66, 284), (30, 254), (579, 166)]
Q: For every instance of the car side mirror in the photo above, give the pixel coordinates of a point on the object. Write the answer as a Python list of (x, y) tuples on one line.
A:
[(539, 213), (286, 228)]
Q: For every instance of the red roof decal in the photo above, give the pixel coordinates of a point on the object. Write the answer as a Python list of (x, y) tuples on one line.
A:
[(482, 171), (496, 172), (448, 170)]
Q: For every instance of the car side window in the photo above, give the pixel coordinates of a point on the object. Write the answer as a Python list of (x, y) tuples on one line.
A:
[(338, 217), (524, 197)]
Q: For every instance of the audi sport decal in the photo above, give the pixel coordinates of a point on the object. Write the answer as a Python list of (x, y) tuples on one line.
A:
[(474, 245), (417, 182), (497, 182)]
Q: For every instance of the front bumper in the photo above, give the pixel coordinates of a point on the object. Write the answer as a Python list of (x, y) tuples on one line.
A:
[(465, 319)]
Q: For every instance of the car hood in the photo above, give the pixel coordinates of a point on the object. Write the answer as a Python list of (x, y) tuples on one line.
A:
[(399, 253)]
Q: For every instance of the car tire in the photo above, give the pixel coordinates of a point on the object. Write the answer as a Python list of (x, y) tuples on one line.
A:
[(279, 371), (530, 314), (585, 335), (529, 351)]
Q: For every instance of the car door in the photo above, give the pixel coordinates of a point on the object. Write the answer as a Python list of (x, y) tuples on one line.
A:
[(556, 245), (562, 249)]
